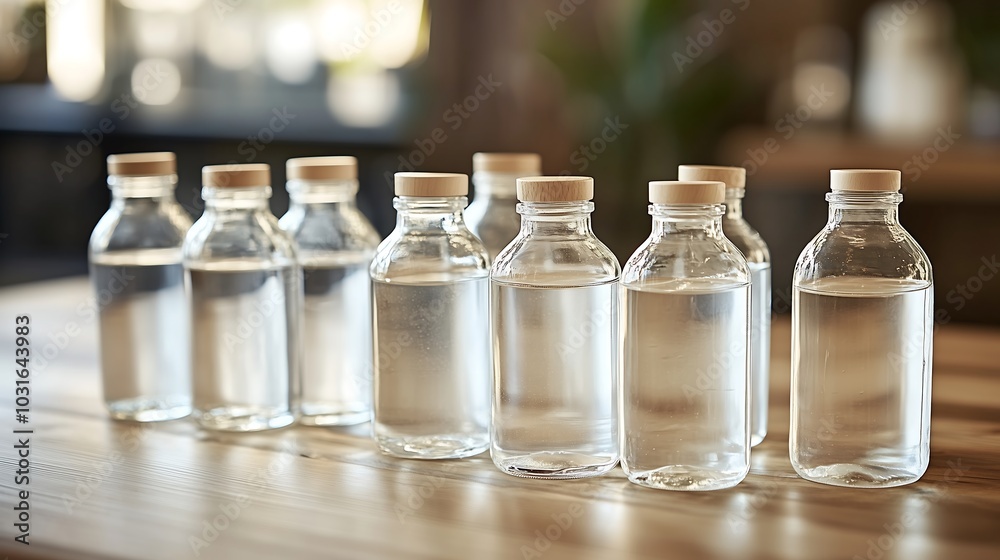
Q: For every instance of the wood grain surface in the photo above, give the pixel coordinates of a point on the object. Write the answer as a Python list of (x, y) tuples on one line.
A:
[(104, 489)]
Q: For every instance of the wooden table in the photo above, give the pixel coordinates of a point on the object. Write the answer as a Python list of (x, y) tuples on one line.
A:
[(102, 489)]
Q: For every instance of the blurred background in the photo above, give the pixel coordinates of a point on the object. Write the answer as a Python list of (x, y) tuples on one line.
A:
[(622, 90)]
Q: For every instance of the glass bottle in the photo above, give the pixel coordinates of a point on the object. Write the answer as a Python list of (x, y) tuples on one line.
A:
[(245, 292), (335, 246), (749, 242), (862, 336), (686, 363), (492, 216), (138, 282), (430, 308), (554, 314)]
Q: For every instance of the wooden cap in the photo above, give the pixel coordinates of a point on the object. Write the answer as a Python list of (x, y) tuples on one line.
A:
[(527, 164), (687, 192), (431, 184), (150, 164), (733, 177), (865, 180), (559, 188), (322, 168), (236, 175)]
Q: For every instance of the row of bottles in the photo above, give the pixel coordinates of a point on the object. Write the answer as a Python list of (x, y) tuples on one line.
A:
[(555, 358)]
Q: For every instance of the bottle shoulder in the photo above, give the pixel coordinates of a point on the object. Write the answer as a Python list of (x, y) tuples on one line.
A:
[(863, 250), (346, 230), (747, 239), (254, 236), (446, 254), (140, 227), (711, 261), (578, 260)]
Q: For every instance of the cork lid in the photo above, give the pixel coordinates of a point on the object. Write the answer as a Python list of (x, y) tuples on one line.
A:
[(733, 177), (149, 164), (431, 184), (322, 168), (865, 180), (560, 188), (687, 192), (527, 164), (236, 175)]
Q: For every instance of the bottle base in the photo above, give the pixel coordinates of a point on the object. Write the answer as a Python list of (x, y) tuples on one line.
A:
[(685, 478), (330, 416), (555, 464), (148, 410), (439, 446), (757, 438), (858, 476), (243, 419)]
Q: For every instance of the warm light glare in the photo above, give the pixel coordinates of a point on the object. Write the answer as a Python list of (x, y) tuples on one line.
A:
[(75, 44), (162, 35), (340, 29), (179, 6), (363, 100), (398, 38), (229, 42), (289, 52), (156, 81)]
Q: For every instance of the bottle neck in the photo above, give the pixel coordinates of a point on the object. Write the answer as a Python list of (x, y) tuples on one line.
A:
[(864, 207), (236, 199), (556, 219), (327, 194), (489, 184), (703, 220), (127, 190), (430, 213), (734, 203)]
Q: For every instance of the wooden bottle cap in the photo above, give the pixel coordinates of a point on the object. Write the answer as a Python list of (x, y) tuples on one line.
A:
[(431, 184), (236, 175), (687, 192), (149, 164), (324, 168), (865, 180), (560, 188), (526, 164), (733, 177)]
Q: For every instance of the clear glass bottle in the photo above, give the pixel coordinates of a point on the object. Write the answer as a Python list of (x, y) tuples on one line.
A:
[(246, 295), (862, 336), (430, 308), (749, 242), (492, 216), (335, 246), (138, 282), (686, 354), (554, 324)]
